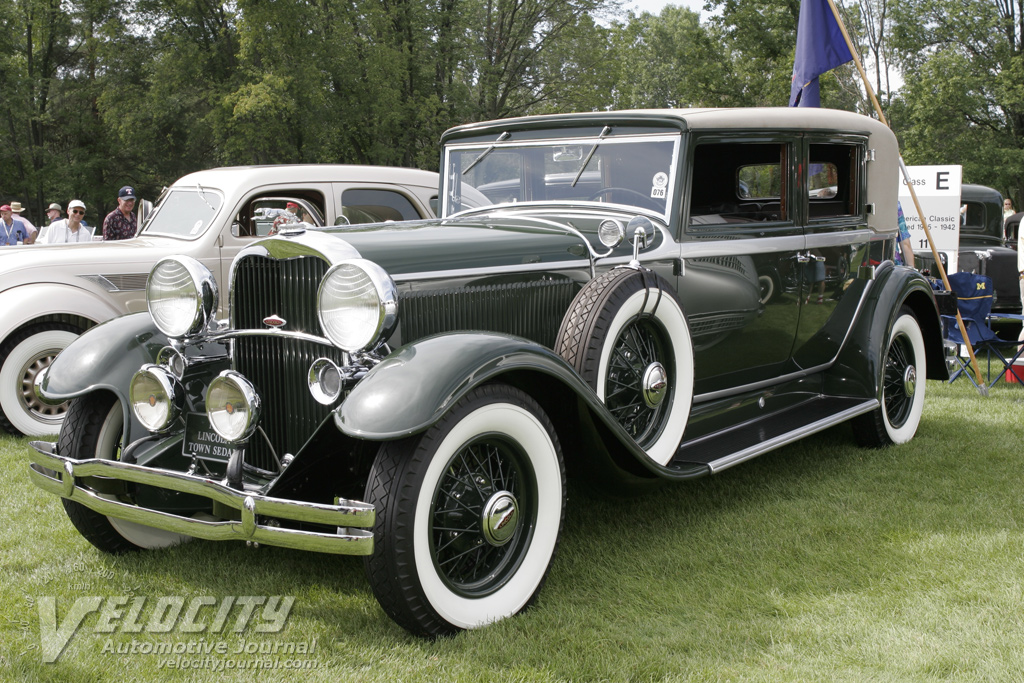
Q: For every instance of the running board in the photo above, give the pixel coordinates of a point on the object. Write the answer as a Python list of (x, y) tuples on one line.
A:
[(722, 450)]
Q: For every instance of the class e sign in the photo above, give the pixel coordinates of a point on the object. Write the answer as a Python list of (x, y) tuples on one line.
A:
[(942, 181)]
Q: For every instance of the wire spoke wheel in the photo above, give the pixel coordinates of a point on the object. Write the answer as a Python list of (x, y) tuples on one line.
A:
[(22, 358), (900, 381), (483, 516), (902, 369), (468, 514), (639, 348)]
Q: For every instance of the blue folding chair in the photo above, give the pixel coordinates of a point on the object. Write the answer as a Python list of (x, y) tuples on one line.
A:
[(974, 301)]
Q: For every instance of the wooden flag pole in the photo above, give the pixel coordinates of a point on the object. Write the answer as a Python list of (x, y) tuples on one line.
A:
[(913, 195)]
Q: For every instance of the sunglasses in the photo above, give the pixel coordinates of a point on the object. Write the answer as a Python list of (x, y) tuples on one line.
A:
[(78, 212)]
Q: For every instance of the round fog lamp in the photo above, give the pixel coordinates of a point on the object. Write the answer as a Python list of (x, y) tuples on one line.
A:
[(156, 397), (325, 381), (173, 360), (232, 406)]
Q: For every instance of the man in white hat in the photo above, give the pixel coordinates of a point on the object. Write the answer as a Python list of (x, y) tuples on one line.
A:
[(70, 229), (16, 209)]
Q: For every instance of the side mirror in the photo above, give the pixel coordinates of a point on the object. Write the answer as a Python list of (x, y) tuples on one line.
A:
[(143, 210)]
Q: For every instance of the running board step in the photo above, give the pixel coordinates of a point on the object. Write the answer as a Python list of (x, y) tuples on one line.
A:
[(724, 449)]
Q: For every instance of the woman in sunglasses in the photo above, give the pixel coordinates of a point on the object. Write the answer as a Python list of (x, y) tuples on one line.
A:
[(70, 229)]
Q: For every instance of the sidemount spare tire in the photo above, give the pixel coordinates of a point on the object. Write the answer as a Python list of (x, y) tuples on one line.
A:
[(626, 335)]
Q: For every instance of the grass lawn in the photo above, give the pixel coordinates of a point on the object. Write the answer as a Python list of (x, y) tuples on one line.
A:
[(819, 561)]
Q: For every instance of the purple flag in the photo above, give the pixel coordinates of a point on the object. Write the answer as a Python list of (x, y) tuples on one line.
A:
[(820, 47)]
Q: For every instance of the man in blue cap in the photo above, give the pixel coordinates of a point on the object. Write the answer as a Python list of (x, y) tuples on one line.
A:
[(120, 224)]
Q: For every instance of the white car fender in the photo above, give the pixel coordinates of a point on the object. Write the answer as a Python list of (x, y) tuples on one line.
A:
[(21, 305)]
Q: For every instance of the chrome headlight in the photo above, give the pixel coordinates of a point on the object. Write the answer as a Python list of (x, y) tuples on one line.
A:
[(182, 296), (357, 305), (232, 406), (156, 397)]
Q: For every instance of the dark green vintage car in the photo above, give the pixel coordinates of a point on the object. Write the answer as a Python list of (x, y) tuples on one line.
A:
[(631, 297)]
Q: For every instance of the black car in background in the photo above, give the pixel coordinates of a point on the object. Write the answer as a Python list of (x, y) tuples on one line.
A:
[(984, 247)]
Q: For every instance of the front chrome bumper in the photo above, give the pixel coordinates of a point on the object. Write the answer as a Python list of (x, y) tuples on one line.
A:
[(57, 474)]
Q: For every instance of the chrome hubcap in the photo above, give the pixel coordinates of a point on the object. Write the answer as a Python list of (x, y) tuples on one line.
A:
[(655, 384), (500, 518), (29, 374), (910, 380)]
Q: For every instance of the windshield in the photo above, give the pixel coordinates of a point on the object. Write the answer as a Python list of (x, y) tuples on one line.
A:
[(184, 212), (637, 171)]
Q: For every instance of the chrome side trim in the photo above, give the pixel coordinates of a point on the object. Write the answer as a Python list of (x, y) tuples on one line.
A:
[(771, 444), (763, 384), (497, 270), (46, 464), (838, 238), (119, 282)]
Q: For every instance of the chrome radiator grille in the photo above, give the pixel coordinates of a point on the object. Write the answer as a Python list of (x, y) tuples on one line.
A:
[(277, 366), (265, 286), (533, 310)]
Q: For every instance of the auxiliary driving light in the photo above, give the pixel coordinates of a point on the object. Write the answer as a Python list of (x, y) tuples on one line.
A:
[(232, 406), (325, 381), (156, 397)]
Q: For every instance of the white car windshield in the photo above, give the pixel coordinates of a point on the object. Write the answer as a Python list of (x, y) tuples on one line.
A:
[(634, 171), (184, 212)]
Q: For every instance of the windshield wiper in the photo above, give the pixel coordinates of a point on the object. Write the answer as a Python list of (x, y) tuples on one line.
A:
[(486, 152), (607, 129)]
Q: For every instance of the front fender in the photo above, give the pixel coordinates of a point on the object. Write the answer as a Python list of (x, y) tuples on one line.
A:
[(22, 305), (412, 388), (104, 358)]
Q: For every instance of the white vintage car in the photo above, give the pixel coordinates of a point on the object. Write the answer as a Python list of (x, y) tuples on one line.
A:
[(49, 294)]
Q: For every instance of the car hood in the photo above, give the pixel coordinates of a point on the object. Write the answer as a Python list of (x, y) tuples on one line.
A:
[(483, 241), (62, 262)]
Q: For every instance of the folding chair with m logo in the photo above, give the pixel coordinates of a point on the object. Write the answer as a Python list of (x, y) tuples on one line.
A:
[(974, 301)]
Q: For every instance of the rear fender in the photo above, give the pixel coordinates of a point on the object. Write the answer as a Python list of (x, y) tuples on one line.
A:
[(857, 371)]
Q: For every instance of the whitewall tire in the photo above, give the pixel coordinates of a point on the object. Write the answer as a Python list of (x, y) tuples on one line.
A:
[(23, 357), (468, 514)]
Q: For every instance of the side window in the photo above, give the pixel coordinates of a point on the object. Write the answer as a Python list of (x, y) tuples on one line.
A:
[(261, 215), (833, 180), (738, 183), (972, 217), (375, 206)]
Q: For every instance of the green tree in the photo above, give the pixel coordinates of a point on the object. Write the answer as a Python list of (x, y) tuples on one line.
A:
[(672, 60), (963, 98), (508, 42)]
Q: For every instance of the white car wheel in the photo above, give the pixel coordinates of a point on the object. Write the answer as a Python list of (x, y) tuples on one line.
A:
[(24, 356), (468, 514), (903, 373)]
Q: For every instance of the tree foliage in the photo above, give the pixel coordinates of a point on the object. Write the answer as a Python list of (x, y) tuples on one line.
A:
[(964, 103), (100, 93)]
